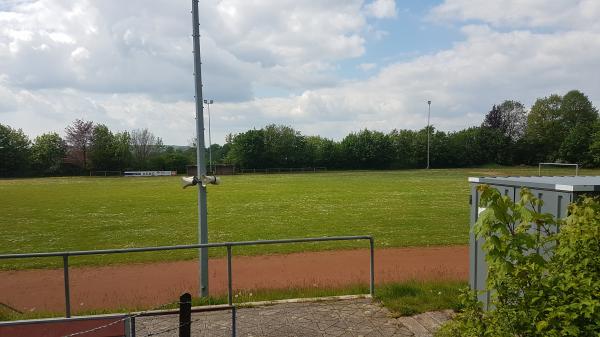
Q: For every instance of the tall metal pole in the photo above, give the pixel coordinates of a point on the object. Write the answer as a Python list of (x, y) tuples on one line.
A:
[(209, 144), (428, 131), (208, 102), (201, 165)]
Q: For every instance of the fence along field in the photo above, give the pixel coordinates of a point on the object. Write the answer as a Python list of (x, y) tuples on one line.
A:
[(398, 208)]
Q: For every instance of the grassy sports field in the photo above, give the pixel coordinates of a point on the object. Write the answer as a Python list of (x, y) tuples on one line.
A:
[(399, 208)]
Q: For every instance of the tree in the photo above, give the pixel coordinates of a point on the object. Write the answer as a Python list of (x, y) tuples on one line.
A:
[(561, 128), (122, 150), (47, 153), (78, 137), (575, 147), (219, 153), (284, 146), (578, 118), (102, 148), (514, 119), (248, 149), (493, 119), (145, 145), (14, 151), (577, 110), (495, 147), (506, 123), (322, 152), (171, 159), (467, 147), (440, 154), (367, 149), (544, 127), (409, 148)]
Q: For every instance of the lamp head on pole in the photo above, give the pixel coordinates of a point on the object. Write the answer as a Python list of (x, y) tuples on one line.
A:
[(429, 102)]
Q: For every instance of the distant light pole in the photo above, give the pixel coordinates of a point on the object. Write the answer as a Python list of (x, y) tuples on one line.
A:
[(208, 102), (428, 131)]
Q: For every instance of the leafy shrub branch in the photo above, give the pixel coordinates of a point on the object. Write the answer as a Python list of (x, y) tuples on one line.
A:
[(545, 282)]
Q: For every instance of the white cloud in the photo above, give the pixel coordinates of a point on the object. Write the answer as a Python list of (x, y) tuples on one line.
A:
[(131, 68), (58, 37), (80, 54), (140, 52), (144, 47), (367, 66), (564, 14), (382, 9)]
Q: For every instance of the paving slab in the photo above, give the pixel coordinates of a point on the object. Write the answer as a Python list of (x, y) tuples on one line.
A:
[(427, 322), (359, 317), (414, 327)]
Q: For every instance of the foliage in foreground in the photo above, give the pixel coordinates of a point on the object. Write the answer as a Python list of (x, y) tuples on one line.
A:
[(545, 285)]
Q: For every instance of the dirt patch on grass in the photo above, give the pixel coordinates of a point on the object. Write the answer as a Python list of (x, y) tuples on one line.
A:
[(152, 284)]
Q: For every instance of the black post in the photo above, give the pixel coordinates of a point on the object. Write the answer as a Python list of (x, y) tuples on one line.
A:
[(132, 326), (67, 286), (233, 322), (185, 315)]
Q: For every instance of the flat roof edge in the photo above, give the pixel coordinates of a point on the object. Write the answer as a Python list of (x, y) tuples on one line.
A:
[(566, 188), (555, 183)]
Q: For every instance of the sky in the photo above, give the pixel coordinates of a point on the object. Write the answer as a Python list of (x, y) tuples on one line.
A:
[(325, 68)]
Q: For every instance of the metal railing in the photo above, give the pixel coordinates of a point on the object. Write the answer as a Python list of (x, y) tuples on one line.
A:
[(282, 170), (228, 245)]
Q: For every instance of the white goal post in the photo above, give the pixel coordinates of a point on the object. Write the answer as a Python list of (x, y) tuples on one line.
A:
[(558, 164)]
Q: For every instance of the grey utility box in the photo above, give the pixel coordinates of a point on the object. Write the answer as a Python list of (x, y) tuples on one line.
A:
[(556, 192)]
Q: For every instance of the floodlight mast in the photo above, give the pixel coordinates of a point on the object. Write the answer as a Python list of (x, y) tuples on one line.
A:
[(200, 164), (208, 102), (428, 131)]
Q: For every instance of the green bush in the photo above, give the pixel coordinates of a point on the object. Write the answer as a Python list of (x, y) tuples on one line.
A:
[(545, 284)]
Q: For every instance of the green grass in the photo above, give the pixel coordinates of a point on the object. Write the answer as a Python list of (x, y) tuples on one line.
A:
[(402, 299), (411, 298), (399, 208), (259, 295)]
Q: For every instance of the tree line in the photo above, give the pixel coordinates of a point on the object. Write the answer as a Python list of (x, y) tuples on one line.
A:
[(86, 147), (556, 129)]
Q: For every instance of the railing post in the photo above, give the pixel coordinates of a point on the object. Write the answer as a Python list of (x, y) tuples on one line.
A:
[(233, 322), (131, 326), (67, 287), (229, 281), (372, 267), (185, 315)]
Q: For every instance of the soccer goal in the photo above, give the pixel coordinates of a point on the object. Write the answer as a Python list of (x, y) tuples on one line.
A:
[(557, 164)]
